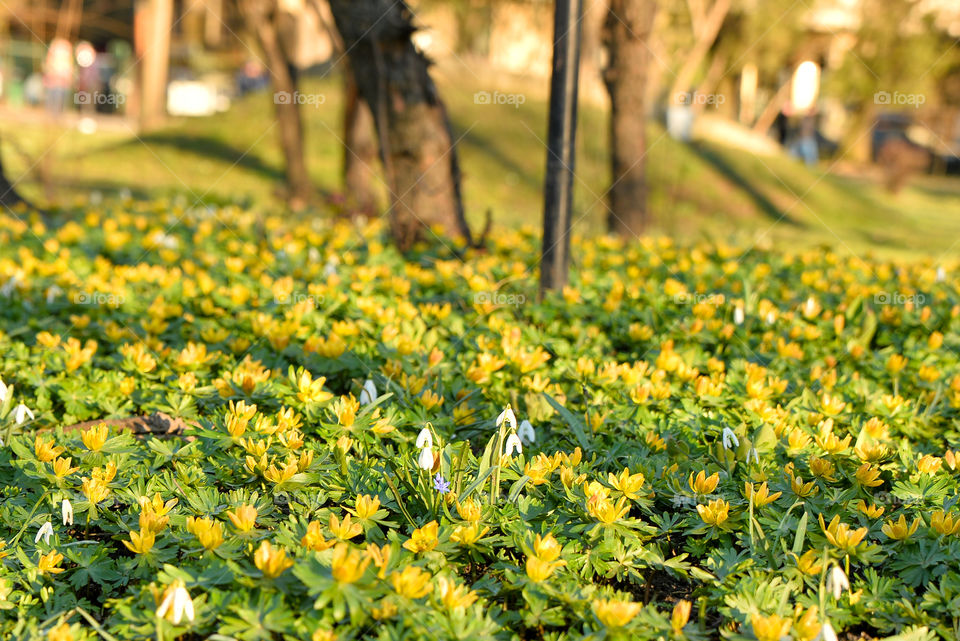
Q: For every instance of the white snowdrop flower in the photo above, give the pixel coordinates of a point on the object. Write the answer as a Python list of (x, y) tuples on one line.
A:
[(20, 414), (508, 416), (837, 581), (425, 460), (771, 318), (330, 269), (752, 453), (66, 510), (52, 292), (313, 255), (424, 438), (730, 439), (941, 274), (45, 532), (514, 445), (827, 633), (178, 603), (368, 394), (526, 432), (738, 317), (5, 392), (809, 307), (8, 287)]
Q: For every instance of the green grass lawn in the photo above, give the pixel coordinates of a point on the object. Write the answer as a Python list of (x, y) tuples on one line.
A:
[(696, 190)]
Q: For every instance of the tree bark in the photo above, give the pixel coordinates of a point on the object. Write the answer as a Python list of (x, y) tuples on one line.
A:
[(706, 27), (415, 138), (261, 20), (627, 33), (359, 150)]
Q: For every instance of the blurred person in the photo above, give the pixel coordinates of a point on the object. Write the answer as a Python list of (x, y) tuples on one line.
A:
[(58, 75), (89, 84)]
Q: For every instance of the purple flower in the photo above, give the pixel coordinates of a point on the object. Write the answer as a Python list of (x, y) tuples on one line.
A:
[(440, 484)]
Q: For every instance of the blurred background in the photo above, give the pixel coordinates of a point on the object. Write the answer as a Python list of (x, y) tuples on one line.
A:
[(764, 121)]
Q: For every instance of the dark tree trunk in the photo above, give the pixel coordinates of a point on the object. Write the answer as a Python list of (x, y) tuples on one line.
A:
[(9, 196), (261, 20), (627, 34), (359, 150), (415, 138)]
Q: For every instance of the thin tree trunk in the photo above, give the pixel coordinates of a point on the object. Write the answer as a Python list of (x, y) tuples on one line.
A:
[(360, 150), (627, 32), (415, 138), (769, 114), (705, 35), (260, 18)]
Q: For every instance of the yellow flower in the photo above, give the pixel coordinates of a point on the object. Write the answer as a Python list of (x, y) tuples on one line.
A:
[(899, 530), (895, 363), (944, 524), (822, 468), (272, 562), (761, 496), (244, 517), (468, 534), (48, 563), (348, 565), (278, 475), (346, 529), (770, 628), (314, 540), (455, 596), (61, 467), (469, 510), (311, 391), (680, 615), (140, 542), (60, 632), (430, 400), (540, 570), (366, 506), (380, 557), (809, 563), (867, 476), (604, 510), (412, 582), (872, 511), (547, 547), (615, 614), (840, 535), (807, 626), (423, 539), (207, 531), (715, 513), (346, 409), (95, 490), (45, 450), (627, 483), (95, 437), (703, 484), (929, 464)]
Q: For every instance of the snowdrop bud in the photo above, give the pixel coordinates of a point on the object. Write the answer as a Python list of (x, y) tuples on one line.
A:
[(941, 274), (66, 509), (526, 432), (178, 603), (369, 393), (730, 439), (738, 315), (425, 460), (771, 318), (513, 444), (508, 416), (827, 633), (5, 392), (752, 453), (424, 438), (52, 292), (21, 413), (837, 581), (45, 532)]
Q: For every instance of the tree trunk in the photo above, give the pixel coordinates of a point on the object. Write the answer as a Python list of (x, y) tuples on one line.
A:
[(261, 20), (9, 196), (359, 150), (627, 33), (706, 28), (415, 138)]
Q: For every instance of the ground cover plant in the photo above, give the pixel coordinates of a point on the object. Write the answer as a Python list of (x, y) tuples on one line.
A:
[(690, 442)]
